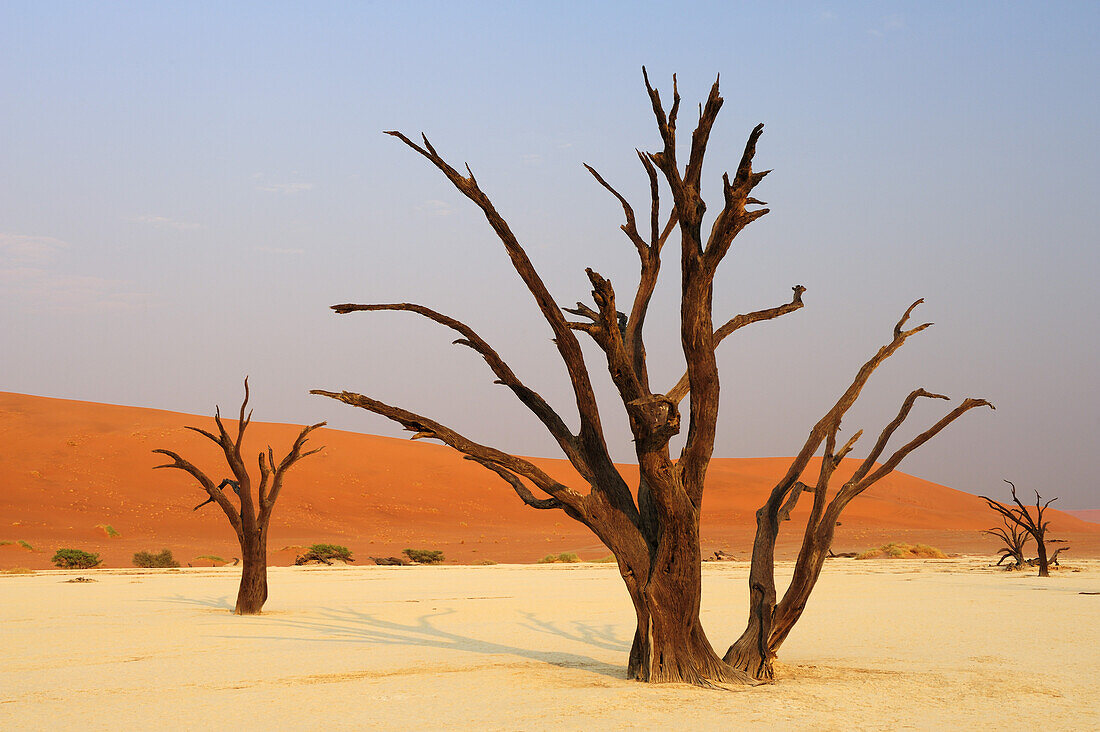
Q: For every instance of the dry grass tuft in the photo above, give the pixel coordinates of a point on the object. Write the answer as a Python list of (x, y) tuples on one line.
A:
[(563, 558), (898, 550)]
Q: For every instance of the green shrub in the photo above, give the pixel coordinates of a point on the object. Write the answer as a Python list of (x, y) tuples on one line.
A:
[(211, 558), (604, 560), (150, 560), (26, 545), (75, 559), (563, 558), (424, 556), (325, 553), (109, 530)]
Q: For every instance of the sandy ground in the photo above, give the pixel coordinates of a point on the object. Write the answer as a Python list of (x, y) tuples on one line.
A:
[(940, 644)]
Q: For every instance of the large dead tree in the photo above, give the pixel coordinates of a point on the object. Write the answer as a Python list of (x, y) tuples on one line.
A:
[(251, 514), (1020, 515), (653, 528)]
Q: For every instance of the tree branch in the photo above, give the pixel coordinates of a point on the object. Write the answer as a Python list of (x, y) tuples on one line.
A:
[(531, 399), (517, 485), (591, 433), (216, 495), (678, 392), (428, 428)]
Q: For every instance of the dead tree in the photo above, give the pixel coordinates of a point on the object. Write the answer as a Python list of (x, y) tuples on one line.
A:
[(251, 515), (1033, 525), (1014, 538), (652, 528)]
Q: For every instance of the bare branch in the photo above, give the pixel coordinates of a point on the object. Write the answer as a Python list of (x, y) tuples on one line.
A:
[(678, 392), (518, 486), (207, 484), (889, 430), (531, 399), (418, 424), (630, 228), (591, 433), (279, 473)]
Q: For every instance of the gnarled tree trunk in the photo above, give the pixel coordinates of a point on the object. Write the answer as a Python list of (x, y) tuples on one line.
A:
[(252, 593)]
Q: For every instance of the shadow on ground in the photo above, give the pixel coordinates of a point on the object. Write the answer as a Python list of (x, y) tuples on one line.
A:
[(351, 626)]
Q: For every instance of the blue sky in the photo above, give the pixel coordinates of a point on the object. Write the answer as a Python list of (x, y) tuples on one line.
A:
[(187, 187)]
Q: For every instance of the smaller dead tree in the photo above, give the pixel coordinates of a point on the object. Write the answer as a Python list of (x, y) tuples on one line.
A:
[(251, 516), (1020, 515), (1014, 539)]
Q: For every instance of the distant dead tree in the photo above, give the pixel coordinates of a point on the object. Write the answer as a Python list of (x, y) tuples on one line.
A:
[(1020, 515), (251, 515), (1014, 539), (653, 528)]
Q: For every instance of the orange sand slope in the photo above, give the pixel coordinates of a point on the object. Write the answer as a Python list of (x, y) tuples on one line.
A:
[(69, 469)]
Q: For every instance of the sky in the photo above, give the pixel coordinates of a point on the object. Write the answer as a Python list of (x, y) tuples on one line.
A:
[(185, 188)]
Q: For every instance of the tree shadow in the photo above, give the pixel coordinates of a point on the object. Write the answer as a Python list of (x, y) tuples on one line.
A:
[(219, 602), (602, 637), (351, 626)]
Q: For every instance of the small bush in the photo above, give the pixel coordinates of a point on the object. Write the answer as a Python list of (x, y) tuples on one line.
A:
[(109, 530), (424, 556), (897, 550), (75, 559), (211, 558), (605, 560), (326, 554), (150, 560), (389, 561), (563, 558), (26, 545), (484, 562)]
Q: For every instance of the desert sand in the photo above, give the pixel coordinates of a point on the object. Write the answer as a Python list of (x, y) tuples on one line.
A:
[(884, 644), (70, 469)]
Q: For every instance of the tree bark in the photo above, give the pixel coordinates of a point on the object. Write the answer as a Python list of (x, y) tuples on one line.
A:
[(252, 593), (670, 645)]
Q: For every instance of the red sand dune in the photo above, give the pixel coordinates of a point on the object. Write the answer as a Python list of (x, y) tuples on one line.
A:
[(70, 467)]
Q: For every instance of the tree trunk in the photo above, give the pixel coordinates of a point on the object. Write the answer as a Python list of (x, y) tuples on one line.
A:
[(1044, 566), (669, 643), (253, 590), (751, 653)]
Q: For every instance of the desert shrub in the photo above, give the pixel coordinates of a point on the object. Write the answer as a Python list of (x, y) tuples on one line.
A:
[(389, 561), (484, 562), (424, 556), (17, 570), (150, 560), (26, 545), (109, 530), (898, 550), (325, 553), (563, 558), (211, 558), (75, 559)]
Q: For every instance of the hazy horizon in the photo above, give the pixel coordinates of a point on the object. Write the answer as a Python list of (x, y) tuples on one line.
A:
[(187, 189)]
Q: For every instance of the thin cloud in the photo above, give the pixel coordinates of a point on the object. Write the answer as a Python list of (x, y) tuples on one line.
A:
[(18, 249), (890, 24), (37, 289), (164, 222), (286, 188), (29, 278), (435, 208)]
